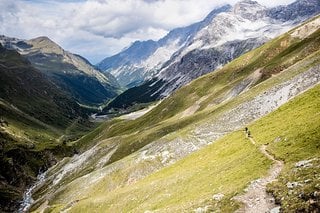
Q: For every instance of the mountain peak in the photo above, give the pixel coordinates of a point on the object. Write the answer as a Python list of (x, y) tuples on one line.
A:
[(42, 40), (249, 9), (46, 45), (299, 8), (217, 11)]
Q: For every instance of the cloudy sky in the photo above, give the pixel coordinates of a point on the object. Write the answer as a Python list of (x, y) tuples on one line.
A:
[(99, 28)]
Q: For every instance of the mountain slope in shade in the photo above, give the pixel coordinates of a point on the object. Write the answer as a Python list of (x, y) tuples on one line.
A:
[(224, 37), (34, 114), (71, 72)]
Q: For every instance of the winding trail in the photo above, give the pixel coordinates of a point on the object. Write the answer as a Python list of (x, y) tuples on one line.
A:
[(256, 199)]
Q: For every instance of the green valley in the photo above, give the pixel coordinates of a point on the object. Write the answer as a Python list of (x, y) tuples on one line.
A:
[(190, 153), (222, 115)]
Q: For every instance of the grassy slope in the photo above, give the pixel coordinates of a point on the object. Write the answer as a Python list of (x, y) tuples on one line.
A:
[(37, 113), (36, 109), (226, 166), (271, 58), (285, 51)]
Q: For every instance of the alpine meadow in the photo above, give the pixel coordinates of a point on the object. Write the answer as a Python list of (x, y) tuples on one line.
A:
[(221, 115)]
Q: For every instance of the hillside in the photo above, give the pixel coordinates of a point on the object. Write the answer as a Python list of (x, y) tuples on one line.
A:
[(36, 118), (70, 72), (225, 34), (189, 153)]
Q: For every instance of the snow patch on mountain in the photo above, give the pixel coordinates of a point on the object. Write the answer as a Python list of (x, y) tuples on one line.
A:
[(161, 54)]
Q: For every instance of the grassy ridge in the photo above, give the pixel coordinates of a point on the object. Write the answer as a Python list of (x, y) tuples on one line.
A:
[(214, 87), (224, 167), (272, 57), (36, 121)]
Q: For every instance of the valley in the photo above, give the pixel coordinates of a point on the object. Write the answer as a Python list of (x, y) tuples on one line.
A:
[(169, 131), (130, 158)]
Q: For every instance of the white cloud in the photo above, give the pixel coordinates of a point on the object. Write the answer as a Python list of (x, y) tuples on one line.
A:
[(98, 28)]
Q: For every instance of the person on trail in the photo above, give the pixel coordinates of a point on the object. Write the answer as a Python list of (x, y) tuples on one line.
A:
[(248, 134)]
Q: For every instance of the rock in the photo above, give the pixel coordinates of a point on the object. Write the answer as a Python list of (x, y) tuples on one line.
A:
[(202, 209), (292, 185), (278, 139), (316, 194), (30, 145), (218, 196), (301, 195), (275, 210), (311, 201), (304, 163), (308, 181)]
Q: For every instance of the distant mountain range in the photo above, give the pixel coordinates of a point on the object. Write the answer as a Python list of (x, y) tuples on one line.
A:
[(160, 67), (70, 72)]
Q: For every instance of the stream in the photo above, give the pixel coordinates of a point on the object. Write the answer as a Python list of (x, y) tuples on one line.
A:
[(27, 197)]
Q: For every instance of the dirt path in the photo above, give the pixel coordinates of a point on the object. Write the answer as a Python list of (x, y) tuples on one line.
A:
[(256, 199)]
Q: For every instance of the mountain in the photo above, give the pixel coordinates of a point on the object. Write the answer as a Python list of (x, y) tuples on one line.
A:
[(35, 117), (189, 153), (70, 72), (225, 34), (143, 58)]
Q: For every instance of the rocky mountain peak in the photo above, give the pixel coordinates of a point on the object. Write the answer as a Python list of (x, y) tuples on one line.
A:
[(299, 8), (249, 9), (45, 45), (215, 12)]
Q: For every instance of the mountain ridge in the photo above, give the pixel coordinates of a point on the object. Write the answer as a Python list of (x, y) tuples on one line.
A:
[(71, 72), (228, 36), (178, 35), (34, 117)]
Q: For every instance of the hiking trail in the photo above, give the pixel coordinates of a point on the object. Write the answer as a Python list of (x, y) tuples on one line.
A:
[(256, 199)]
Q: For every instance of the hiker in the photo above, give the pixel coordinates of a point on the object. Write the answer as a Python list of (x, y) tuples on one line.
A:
[(248, 134)]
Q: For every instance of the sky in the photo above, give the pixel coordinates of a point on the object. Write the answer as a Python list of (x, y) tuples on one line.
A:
[(97, 29)]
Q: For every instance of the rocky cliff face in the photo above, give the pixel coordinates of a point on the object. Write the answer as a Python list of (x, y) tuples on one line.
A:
[(71, 72)]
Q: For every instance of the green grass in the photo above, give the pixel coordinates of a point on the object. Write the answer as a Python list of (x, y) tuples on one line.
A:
[(133, 135), (226, 166), (136, 134)]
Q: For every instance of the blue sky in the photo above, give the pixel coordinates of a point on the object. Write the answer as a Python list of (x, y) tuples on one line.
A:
[(96, 29)]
